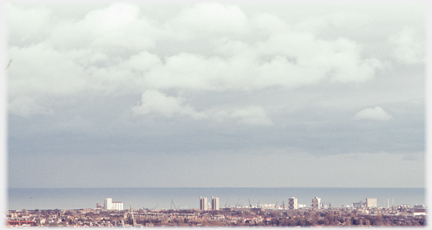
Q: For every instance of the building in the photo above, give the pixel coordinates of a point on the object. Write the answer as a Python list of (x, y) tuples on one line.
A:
[(419, 210), (371, 203), (359, 205), (203, 203), (302, 206), (215, 203), (267, 206), (108, 203), (117, 205), (112, 205), (316, 203), (292, 203)]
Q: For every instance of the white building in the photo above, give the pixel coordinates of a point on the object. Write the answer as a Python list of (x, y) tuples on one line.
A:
[(116, 205), (371, 203), (316, 203), (268, 206), (292, 203), (203, 203), (215, 203), (108, 203), (112, 205)]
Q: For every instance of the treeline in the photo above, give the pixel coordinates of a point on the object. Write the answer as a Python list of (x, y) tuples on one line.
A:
[(352, 219)]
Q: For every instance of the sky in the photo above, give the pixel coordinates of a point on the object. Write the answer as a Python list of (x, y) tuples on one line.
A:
[(216, 95)]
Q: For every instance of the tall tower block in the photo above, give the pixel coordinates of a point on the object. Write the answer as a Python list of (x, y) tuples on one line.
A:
[(215, 203), (203, 203), (316, 203), (292, 203), (108, 203)]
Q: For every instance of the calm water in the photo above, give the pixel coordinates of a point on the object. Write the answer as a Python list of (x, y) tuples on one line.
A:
[(186, 198)]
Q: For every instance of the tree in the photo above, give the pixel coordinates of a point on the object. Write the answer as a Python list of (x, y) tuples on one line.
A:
[(292, 222), (301, 223), (347, 222), (326, 222), (367, 222)]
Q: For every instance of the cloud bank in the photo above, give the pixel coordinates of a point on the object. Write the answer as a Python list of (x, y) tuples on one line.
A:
[(116, 51)]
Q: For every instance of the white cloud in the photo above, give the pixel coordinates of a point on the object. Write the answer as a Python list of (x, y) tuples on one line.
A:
[(287, 60), (41, 72), (376, 113), (208, 19), (253, 115), (408, 47), (154, 102), (35, 28), (142, 62), (114, 30), (348, 19)]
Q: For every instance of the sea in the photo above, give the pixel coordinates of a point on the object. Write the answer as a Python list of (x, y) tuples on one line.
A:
[(188, 198)]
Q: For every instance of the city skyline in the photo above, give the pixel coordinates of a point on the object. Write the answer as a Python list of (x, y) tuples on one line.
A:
[(216, 95)]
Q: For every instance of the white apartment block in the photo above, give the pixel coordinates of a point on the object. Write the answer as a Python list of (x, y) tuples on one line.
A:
[(108, 203), (371, 203), (116, 205), (112, 205)]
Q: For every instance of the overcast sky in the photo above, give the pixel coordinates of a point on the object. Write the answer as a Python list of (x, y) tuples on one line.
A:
[(216, 95)]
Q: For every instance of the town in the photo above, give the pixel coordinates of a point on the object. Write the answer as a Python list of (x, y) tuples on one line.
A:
[(112, 214)]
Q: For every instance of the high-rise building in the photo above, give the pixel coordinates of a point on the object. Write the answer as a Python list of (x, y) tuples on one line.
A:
[(292, 203), (371, 203), (215, 203), (203, 203), (316, 203), (108, 203)]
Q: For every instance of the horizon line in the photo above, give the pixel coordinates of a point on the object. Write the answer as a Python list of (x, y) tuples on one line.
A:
[(203, 187)]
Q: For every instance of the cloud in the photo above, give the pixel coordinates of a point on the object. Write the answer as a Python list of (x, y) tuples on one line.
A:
[(35, 28), (419, 156), (142, 62), (208, 19), (116, 50), (26, 106), (408, 47), (286, 60), (348, 19), (155, 102), (253, 115), (115, 30), (250, 115), (376, 113)]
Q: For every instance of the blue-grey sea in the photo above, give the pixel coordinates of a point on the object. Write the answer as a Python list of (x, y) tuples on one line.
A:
[(188, 198)]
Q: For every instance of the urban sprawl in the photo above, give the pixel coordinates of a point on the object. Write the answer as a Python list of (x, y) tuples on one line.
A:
[(112, 214)]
